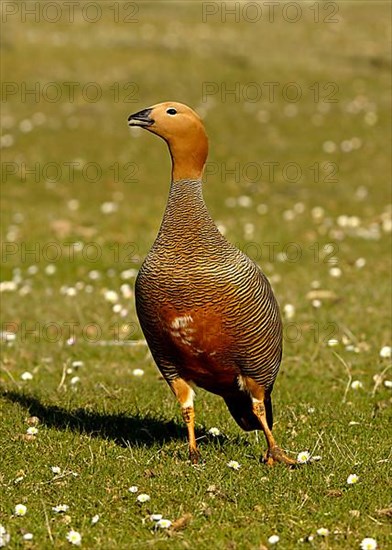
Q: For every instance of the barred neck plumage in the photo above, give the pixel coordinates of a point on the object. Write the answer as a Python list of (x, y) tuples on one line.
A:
[(186, 213)]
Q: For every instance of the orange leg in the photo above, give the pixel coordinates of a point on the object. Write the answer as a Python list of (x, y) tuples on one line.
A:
[(274, 453), (185, 394), (188, 414)]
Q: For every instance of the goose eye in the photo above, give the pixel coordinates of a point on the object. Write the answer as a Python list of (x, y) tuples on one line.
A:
[(171, 111)]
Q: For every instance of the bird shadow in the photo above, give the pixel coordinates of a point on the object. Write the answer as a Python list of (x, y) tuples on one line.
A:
[(124, 430)]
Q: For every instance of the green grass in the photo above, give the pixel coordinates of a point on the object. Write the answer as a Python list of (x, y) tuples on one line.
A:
[(115, 429)]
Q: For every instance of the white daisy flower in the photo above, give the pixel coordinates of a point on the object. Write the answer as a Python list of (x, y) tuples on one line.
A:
[(164, 523), (25, 126), (303, 457), (143, 497), (356, 385), (289, 311), (126, 290), (74, 537), (95, 519), (6, 141), (368, 544), (333, 342), (8, 286), (27, 536), (109, 207), (335, 272), (73, 205), (20, 510), (56, 469), (329, 147), (50, 269), (32, 430), (26, 376), (4, 536), (214, 431), (128, 274), (7, 336), (32, 270), (234, 465), (385, 353), (133, 489), (244, 201), (94, 274), (138, 372), (387, 226), (352, 479), (111, 296), (360, 263), (70, 291), (317, 212), (273, 539), (352, 348)]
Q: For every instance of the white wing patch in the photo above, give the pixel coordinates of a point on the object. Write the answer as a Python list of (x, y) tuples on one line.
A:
[(182, 330), (181, 322)]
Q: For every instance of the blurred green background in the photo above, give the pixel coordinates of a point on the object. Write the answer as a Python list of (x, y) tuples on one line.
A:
[(302, 89)]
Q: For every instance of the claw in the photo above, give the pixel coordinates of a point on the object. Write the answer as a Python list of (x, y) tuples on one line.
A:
[(275, 454), (194, 456)]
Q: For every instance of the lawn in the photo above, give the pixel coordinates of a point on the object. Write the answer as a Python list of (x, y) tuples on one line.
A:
[(296, 103)]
